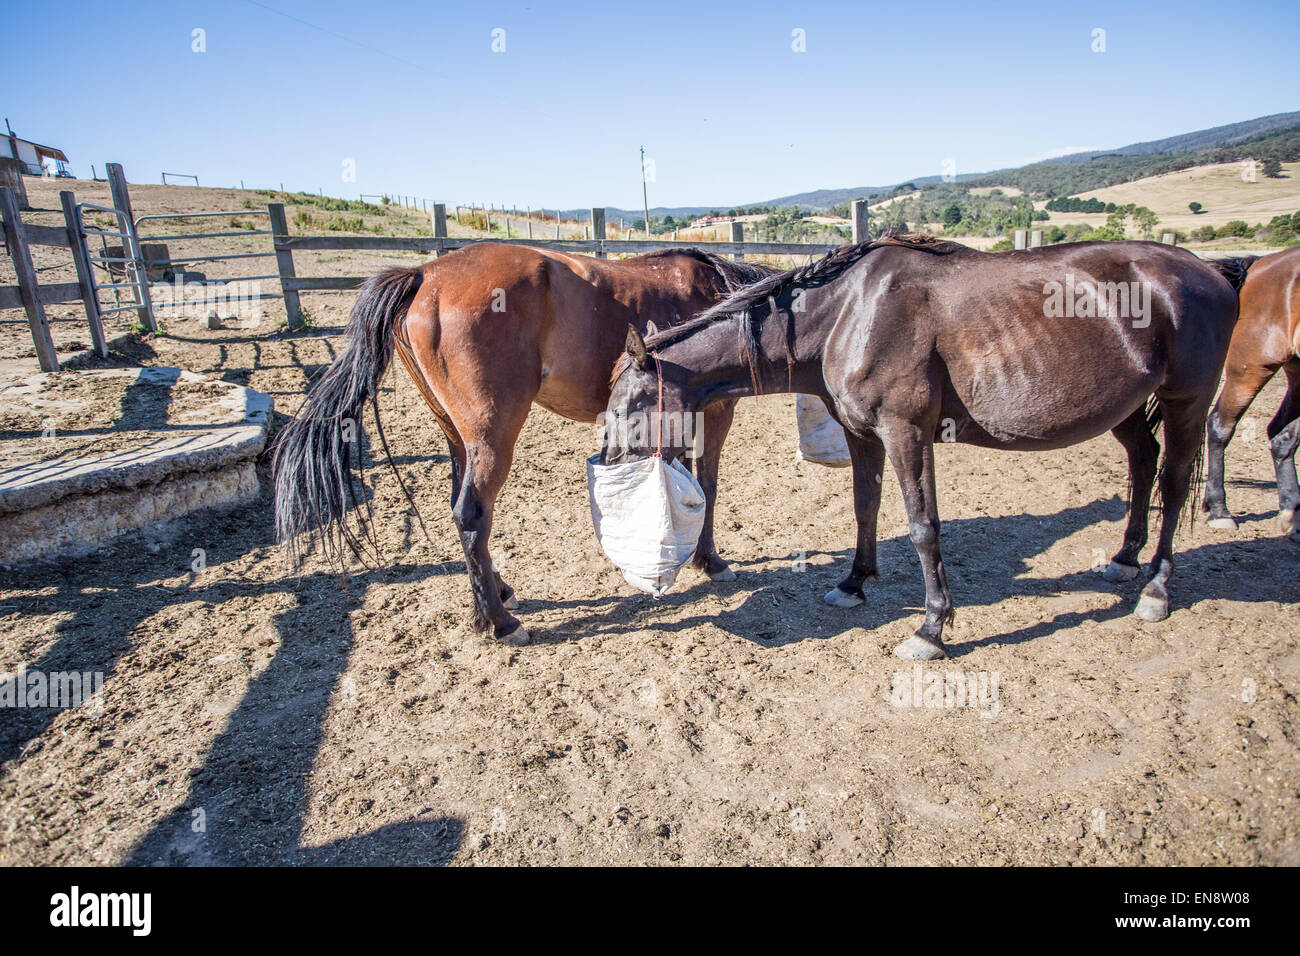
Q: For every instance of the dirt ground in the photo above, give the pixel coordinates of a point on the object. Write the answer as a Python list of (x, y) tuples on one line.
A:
[(253, 716)]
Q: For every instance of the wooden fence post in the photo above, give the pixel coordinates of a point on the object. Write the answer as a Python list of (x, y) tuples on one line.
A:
[(122, 202), (439, 224), (85, 277), (284, 261), (737, 235), (861, 216), (27, 288), (598, 229)]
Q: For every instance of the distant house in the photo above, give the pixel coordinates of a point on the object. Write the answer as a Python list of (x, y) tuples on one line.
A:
[(34, 157)]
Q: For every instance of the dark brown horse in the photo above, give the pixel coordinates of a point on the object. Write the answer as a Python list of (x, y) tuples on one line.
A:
[(485, 332), (910, 340), (1267, 338)]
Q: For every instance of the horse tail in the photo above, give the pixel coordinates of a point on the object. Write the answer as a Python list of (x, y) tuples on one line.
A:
[(1233, 269), (312, 463), (1155, 417)]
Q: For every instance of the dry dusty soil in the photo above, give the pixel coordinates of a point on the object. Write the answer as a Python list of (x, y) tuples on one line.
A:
[(251, 715)]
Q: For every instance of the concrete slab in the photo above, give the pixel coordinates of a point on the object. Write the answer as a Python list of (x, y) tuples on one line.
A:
[(89, 455)]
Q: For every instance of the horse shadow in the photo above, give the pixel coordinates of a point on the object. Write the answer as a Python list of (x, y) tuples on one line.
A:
[(775, 590)]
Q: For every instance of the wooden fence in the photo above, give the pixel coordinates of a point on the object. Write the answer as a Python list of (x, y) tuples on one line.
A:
[(600, 246), (32, 297)]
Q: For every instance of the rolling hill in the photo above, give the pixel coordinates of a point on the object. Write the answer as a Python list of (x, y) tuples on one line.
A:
[(1277, 135)]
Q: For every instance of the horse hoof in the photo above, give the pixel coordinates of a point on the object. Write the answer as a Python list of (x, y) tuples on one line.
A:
[(1286, 522), (919, 649), (516, 638), (511, 603), (1119, 573), (837, 598), (1152, 607), (1223, 524), (726, 574)]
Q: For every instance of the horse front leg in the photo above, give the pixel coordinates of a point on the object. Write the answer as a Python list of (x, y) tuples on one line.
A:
[(868, 459), (1284, 436), (911, 451), (1246, 375), (717, 421)]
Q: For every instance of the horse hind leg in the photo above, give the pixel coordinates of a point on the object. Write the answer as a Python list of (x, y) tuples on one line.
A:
[(1284, 436), (1143, 454), (480, 462), (1184, 434), (487, 465), (457, 453)]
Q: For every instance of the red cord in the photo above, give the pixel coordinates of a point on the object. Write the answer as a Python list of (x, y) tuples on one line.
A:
[(659, 372)]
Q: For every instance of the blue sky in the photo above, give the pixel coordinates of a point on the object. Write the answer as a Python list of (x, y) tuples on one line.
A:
[(414, 94)]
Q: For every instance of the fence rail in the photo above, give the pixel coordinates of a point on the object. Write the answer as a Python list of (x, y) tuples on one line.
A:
[(598, 245), (31, 296), (132, 263)]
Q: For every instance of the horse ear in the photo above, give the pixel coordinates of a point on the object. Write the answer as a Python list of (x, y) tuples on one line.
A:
[(651, 328), (636, 346)]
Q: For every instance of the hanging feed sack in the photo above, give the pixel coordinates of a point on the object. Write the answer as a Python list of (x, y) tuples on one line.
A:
[(648, 516), (821, 439)]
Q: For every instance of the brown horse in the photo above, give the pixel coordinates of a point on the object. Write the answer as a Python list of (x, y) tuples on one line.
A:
[(1267, 338), (910, 340), (485, 332)]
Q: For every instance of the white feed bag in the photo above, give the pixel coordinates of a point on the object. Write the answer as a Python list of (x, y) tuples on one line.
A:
[(648, 517), (821, 439)]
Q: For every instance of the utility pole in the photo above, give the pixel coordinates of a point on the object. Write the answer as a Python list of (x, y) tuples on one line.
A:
[(645, 202)]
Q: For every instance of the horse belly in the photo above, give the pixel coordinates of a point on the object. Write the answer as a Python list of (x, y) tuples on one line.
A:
[(578, 393), (1005, 410)]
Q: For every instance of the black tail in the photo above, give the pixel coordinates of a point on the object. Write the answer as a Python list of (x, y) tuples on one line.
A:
[(1233, 269), (312, 464)]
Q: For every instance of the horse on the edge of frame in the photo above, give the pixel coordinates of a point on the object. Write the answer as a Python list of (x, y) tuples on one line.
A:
[(1267, 338)]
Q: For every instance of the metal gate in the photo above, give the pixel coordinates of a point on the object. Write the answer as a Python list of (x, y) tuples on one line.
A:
[(124, 273), (178, 261)]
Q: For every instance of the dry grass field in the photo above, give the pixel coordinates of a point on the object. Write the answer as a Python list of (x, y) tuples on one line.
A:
[(1219, 189)]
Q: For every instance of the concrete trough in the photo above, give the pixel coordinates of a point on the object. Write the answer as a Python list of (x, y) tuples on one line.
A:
[(89, 456)]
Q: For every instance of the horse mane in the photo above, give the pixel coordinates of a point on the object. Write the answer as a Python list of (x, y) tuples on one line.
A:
[(735, 275), (768, 285)]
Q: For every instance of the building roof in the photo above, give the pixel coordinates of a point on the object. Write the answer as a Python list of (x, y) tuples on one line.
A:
[(45, 150)]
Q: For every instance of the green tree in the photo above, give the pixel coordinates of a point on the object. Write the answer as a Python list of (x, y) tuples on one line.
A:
[(952, 215), (1195, 207), (1273, 168), (1145, 220)]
